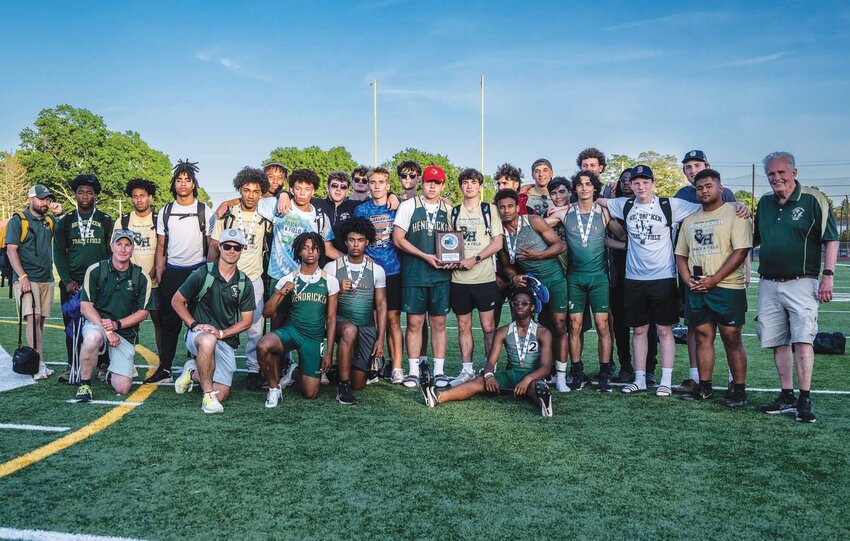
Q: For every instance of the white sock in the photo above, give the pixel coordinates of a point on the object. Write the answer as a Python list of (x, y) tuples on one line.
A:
[(694, 374), (560, 367), (423, 358), (731, 379), (414, 367), (438, 366), (467, 367), (640, 379), (667, 376)]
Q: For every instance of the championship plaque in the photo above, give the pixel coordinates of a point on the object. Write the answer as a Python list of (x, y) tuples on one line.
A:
[(450, 246)]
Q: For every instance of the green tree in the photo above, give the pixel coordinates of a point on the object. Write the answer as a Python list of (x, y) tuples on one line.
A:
[(746, 197), (13, 178), (666, 168), (321, 161), (66, 141)]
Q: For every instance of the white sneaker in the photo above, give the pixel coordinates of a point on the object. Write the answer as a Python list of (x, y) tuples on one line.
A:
[(441, 381), (287, 378), (273, 398), (184, 383), (397, 376), (561, 385), (462, 378), (210, 403), (411, 381), (324, 380)]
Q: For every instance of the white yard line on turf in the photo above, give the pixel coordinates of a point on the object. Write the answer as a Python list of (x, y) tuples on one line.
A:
[(43, 535), (759, 390), (35, 428), (109, 403), (9, 379)]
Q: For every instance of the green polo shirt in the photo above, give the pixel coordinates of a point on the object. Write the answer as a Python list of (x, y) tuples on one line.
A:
[(72, 253), (223, 303), (116, 294), (36, 252), (792, 235)]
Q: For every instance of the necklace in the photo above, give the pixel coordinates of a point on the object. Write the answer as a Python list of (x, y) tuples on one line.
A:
[(430, 218), (585, 231), (522, 347), (241, 223), (86, 231), (297, 291), (354, 283), (512, 241)]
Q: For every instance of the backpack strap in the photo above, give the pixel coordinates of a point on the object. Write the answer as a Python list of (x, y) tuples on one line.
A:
[(166, 214), (453, 218), (208, 282), (485, 212), (627, 208), (202, 224), (667, 210), (125, 221)]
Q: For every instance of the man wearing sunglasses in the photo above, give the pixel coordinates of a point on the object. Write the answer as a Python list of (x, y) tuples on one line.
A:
[(528, 348), (360, 183), (216, 302), (337, 206), (409, 172)]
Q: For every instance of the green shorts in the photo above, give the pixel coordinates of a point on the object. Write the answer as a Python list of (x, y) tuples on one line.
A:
[(431, 299), (557, 286), (309, 350), (727, 307), (587, 288), (508, 379)]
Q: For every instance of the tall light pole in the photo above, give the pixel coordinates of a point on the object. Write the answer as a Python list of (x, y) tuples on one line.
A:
[(482, 124), (375, 121)]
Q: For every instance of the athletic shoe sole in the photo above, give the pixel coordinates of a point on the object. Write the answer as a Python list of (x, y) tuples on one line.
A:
[(343, 402), (274, 404), (792, 409), (184, 383), (663, 391), (810, 421), (544, 398)]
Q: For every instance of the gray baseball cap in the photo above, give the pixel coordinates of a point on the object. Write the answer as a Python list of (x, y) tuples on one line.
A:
[(40, 191), (232, 234)]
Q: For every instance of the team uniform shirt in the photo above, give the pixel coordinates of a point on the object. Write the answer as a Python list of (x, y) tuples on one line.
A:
[(650, 249), (337, 213), (308, 314), (223, 303), (144, 243), (421, 221), (382, 251), (475, 239), (689, 194), (585, 256), (357, 306), (254, 227), (36, 252), (707, 239), (80, 241), (792, 235), (286, 228), (563, 257), (526, 237), (185, 246), (117, 294)]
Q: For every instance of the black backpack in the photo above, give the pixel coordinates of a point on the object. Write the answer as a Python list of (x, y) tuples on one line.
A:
[(202, 222), (665, 208), (485, 211), (125, 220), (829, 343)]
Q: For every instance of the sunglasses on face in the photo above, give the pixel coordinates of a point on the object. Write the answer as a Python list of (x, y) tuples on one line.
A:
[(411, 176), (229, 247), (520, 304), (337, 185), (360, 180)]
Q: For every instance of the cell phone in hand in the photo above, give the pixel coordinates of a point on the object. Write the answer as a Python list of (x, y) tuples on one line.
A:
[(697, 274)]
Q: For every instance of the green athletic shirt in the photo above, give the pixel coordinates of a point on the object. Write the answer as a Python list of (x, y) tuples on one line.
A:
[(357, 306), (532, 357), (223, 303), (529, 238), (592, 258), (118, 295), (415, 271), (74, 254), (36, 252), (309, 311)]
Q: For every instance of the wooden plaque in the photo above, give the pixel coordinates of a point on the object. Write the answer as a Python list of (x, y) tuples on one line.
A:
[(450, 246)]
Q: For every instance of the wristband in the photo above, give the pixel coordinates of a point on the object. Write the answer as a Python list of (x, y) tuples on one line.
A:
[(220, 335), (24, 275), (489, 375), (118, 324), (108, 332), (826, 272), (193, 325)]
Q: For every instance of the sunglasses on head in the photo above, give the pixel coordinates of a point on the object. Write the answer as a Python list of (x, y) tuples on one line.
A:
[(520, 304), (337, 185), (360, 180), (411, 176), (228, 247)]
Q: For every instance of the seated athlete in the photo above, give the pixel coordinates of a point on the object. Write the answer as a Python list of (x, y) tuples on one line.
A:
[(217, 303), (362, 301), (311, 318), (529, 350)]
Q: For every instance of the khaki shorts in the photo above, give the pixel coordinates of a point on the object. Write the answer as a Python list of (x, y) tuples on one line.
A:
[(120, 357), (787, 312), (42, 292)]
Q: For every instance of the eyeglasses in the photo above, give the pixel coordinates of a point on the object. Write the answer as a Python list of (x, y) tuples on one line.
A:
[(229, 247), (360, 180), (520, 304), (337, 185), (411, 176)]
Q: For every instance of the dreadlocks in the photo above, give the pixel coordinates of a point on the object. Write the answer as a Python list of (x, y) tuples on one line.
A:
[(189, 168), (301, 240)]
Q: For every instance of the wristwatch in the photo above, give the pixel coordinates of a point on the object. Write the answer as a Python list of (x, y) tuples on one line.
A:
[(828, 272), (477, 258), (193, 325)]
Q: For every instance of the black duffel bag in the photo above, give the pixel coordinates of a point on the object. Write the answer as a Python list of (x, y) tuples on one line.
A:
[(25, 360), (829, 343)]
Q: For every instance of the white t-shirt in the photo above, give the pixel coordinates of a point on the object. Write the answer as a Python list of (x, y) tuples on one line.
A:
[(185, 246), (333, 283), (405, 212), (380, 275), (286, 228), (650, 248)]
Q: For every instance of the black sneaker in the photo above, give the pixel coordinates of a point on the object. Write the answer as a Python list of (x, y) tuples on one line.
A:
[(698, 394), (426, 385), (544, 398), (625, 376), (735, 400), (84, 394), (605, 378), (577, 377), (730, 390), (344, 394), (650, 380), (252, 382), (805, 413), (160, 376), (783, 404)]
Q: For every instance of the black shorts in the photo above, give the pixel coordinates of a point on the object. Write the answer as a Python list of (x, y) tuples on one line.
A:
[(651, 301), (468, 297), (393, 292)]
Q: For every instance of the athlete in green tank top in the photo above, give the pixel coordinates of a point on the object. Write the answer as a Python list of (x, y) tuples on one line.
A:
[(529, 351)]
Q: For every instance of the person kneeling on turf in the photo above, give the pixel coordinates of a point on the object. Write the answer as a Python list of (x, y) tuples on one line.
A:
[(221, 305), (362, 301), (311, 319), (115, 298), (529, 350)]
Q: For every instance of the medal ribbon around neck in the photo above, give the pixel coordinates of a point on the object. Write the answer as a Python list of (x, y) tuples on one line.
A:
[(297, 291), (354, 284), (430, 218), (531, 333), (585, 231), (512, 241), (87, 230), (241, 223)]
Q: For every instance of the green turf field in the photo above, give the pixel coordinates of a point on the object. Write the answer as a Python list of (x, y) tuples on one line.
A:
[(604, 467)]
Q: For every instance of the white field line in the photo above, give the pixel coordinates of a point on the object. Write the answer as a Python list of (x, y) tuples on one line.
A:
[(43, 535), (109, 403), (35, 428), (758, 390)]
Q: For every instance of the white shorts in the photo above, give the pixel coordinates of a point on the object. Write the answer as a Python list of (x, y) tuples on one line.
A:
[(787, 312), (225, 358), (121, 357)]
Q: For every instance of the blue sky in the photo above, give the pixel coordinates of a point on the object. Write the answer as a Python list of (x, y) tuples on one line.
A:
[(224, 83)]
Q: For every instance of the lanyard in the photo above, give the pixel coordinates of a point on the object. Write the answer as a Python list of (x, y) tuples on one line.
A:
[(512, 241), (86, 232), (354, 284), (297, 291), (585, 231), (241, 223), (522, 347), (430, 218)]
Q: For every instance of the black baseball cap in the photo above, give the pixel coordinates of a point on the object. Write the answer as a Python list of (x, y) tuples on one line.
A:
[(695, 155), (642, 171)]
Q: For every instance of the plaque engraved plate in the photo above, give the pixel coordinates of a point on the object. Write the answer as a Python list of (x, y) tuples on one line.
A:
[(450, 246)]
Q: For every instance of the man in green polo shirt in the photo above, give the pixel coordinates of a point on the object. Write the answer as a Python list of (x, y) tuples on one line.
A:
[(792, 225), (217, 303), (115, 298)]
